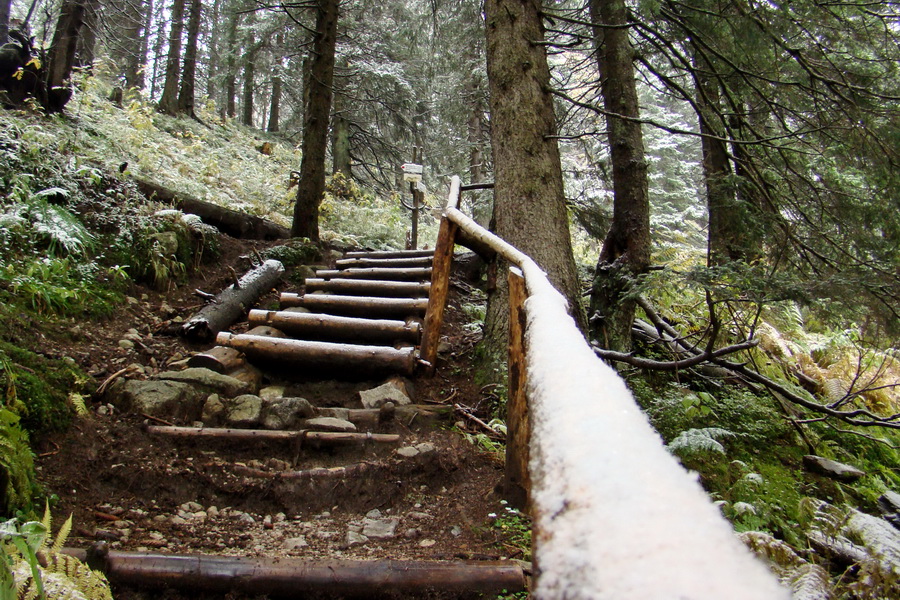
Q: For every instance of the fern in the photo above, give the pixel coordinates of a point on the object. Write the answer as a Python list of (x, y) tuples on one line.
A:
[(16, 461), (700, 441), (806, 581)]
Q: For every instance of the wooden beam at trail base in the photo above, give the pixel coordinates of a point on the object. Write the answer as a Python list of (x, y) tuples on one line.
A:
[(440, 289), (389, 253), (365, 263), (293, 577), (368, 287), (300, 353), (333, 327), (516, 482)]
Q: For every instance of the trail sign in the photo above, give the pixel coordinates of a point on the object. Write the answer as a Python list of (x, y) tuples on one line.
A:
[(411, 172)]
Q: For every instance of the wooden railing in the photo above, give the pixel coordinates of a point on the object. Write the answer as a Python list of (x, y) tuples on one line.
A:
[(615, 515)]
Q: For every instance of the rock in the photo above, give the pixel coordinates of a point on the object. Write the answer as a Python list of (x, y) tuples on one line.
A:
[(271, 392), (412, 533), (330, 424), (419, 516), (392, 391), (167, 242), (225, 385), (381, 529), (295, 543), (126, 344), (407, 451), (171, 399), (455, 531), (425, 447), (285, 413), (304, 271), (297, 309), (444, 347), (374, 514), (355, 539), (427, 543), (337, 413), (831, 468), (243, 411), (213, 410)]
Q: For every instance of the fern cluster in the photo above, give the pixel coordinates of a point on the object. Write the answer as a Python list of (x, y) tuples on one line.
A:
[(30, 567)]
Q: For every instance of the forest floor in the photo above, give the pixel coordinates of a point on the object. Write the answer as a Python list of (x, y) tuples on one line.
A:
[(143, 493)]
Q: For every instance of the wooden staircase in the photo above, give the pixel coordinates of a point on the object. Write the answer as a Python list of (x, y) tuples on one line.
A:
[(363, 316)]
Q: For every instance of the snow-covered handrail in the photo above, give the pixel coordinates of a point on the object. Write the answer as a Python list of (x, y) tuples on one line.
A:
[(615, 515)]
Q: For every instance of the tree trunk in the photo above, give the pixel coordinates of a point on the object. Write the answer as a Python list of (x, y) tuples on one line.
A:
[(249, 77), (168, 103), (139, 77), (626, 249), (188, 73), (214, 66), (87, 40), (275, 101), (123, 37), (315, 123), (62, 54), (229, 107), (529, 204), (4, 21), (340, 136)]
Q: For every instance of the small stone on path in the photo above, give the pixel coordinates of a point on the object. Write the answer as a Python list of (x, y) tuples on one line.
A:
[(330, 424)]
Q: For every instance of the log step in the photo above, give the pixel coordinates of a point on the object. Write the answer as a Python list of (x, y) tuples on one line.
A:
[(369, 287), (316, 438), (338, 328), (297, 577), (389, 253), (383, 273), (420, 261), (321, 355), (356, 306)]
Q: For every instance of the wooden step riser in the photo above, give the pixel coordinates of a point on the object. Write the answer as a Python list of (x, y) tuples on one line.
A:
[(365, 287), (390, 254), (321, 355), (409, 274), (357, 306), (336, 328), (368, 263)]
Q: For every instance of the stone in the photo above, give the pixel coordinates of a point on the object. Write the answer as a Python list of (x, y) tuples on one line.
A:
[(213, 410), (295, 543), (412, 533), (425, 447), (171, 399), (305, 272), (336, 412), (831, 468), (392, 391), (427, 543), (374, 514), (285, 413), (225, 385), (444, 347), (297, 309), (381, 529), (126, 344), (167, 241), (419, 516), (243, 411), (271, 392), (330, 424), (355, 539), (407, 451), (455, 531)]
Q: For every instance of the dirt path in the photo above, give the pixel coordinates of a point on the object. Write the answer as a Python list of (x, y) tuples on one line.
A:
[(140, 492)]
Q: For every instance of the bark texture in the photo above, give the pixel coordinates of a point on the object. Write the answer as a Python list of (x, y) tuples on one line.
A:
[(626, 248), (315, 125), (188, 73), (168, 102), (529, 205), (62, 53)]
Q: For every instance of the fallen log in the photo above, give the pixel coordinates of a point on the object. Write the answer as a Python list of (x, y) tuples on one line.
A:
[(337, 328), (301, 353), (318, 438), (232, 302), (369, 287), (234, 223), (293, 577), (356, 306), (220, 359), (378, 415), (388, 253), (386, 273), (369, 262)]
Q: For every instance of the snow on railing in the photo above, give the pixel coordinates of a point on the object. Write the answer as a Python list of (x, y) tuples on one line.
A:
[(615, 515)]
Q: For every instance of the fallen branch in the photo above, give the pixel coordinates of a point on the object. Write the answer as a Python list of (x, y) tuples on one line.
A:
[(673, 365)]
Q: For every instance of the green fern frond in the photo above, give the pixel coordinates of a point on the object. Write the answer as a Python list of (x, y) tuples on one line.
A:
[(62, 535), (78, 403)]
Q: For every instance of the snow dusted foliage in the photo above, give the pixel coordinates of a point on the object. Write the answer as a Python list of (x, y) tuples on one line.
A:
[(616, 516)]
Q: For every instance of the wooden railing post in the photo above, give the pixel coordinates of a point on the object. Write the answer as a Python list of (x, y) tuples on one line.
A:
[(516, 483), (440, 284)]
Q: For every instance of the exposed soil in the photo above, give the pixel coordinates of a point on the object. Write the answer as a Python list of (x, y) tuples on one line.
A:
[(148, 493)]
